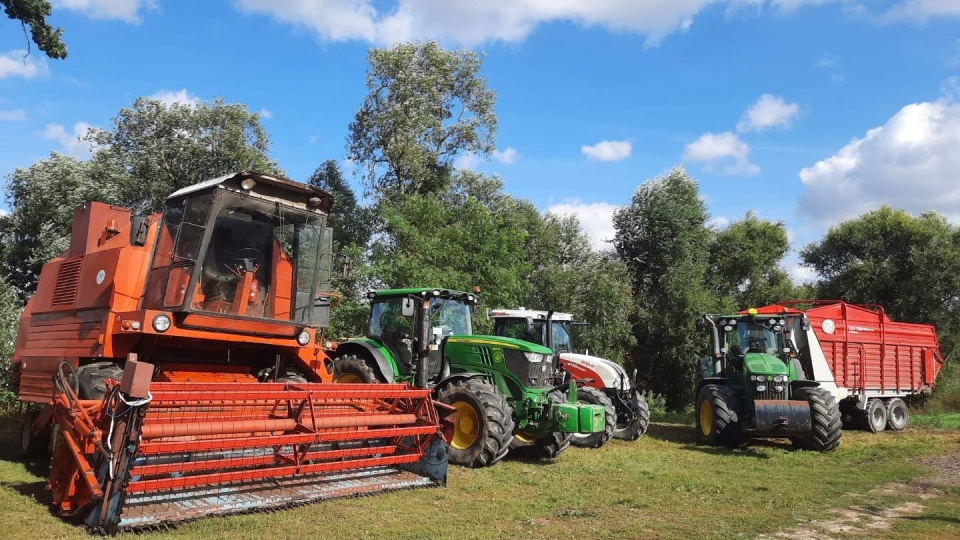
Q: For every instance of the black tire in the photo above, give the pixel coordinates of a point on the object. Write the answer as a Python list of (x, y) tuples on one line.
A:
[(350, 368), (874, 417), (32, 444), (92, 379), (628, 430), (718, 424), (549, 446), (825, 425), (290, 374), (593, 396), (898, 415), (486, 439)]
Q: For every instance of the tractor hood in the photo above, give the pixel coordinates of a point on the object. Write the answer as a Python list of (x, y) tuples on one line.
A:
[(502, 342), (599, 370), (764, 364)]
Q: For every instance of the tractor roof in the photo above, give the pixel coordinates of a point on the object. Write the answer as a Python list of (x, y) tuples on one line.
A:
[(418, 291), (233, 180), (532, 313)]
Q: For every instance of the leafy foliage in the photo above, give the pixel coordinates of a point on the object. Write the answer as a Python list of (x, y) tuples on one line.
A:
[(425, 106), (10, 308), (34, 13)]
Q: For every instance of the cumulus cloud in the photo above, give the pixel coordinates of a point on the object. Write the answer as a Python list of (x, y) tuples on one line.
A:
[(170, 97), (910, 162), (12, 115), (19, 64), (607, 150), (506, 156), (265, 113), (124, 10), (718, 223), (800, 274), (72, 142), (4, 212), (725, 148), (768, 112), (923, 10), (595, 218)]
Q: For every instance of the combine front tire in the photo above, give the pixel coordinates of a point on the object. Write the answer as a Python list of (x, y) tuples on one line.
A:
[(717, 420), (484, 424), (898, 416), (593, 396), (33, 444), (92, 379), (350, 368), (824, 418), (628, 430)]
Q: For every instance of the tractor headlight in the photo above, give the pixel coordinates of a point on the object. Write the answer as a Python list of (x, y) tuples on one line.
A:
[(761, 388), (533, 357), (303, 338), (161, 323), (778, 388)]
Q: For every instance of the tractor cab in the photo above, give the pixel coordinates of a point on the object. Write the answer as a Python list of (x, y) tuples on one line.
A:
[(541, 327), (248, 248)]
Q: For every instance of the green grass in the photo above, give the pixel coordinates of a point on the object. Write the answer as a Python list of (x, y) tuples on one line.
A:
[(661, 486), (943, 420)]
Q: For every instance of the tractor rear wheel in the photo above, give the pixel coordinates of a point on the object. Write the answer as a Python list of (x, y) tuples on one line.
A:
[(874, 417), (717, 417), (548, 446), (350, 368), (593, 396), (898, 416), (92, 379), (628, 430), (825, 428), (484, 425)]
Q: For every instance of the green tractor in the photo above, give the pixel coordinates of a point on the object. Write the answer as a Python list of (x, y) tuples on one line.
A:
[(753, 383), (504, 390)]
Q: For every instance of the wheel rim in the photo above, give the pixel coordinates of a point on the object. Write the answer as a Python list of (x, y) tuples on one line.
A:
[(524, 437), (878, 416), (349, 378), (25, 435), (706, 417), (898, 415), (466, 429)]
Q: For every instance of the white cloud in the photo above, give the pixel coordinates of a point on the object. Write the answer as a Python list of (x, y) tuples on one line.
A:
[(596, 219), (72, 142), (718, 223), (19, 64), (831, 66), (607, 150), (170, 97), (12, 115), (506, 156), (4, 212), (911, 162), (467, 161), (725, 147), (800, 274), (124, 10), (923, 10), (265, 113), (768, 112)]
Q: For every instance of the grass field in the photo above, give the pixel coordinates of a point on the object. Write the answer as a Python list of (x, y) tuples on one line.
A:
[(887, 485)]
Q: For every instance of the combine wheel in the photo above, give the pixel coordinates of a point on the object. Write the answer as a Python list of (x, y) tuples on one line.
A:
[(898, 416), (875, 416), (717, 420), (291, 374), (632, 430), (824, 418), (593, 396), (33, 444), (484, 424), (549, 446), (92, 379), (350, 368)]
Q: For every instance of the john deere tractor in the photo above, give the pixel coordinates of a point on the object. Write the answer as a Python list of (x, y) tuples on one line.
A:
[(753, 382), (505, 390)]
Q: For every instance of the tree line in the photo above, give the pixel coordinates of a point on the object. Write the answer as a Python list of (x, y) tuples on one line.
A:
[(421, 221)]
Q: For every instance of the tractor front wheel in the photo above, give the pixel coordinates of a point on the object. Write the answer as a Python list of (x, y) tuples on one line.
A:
[(824, 419), (545, 447), (350, 368), (484, 424), (92, 379), (593, 396), (631, 430), (717, 420)]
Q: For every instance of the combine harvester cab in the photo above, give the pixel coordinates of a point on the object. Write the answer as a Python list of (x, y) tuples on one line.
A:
[(172, 368), (869, 363)]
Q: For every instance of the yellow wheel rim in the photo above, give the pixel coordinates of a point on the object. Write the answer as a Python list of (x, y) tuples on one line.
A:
[(348, 378), (525, 437), (706, 417), (466, 429)]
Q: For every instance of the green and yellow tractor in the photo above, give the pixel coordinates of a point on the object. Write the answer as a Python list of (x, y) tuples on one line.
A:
[(752, 382), (505, 390)]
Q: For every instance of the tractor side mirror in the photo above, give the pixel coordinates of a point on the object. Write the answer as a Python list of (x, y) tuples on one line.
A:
[(529, 325), (486, 313), (138, 230), (805, 324), (408, 307)]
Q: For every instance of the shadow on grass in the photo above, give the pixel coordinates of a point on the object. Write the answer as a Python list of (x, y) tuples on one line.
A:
[(686, 436)]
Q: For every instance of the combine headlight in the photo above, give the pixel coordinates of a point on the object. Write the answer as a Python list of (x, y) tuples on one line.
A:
[(533, 357), (761, 388), (778, 388), (303, 338), (161, 323)]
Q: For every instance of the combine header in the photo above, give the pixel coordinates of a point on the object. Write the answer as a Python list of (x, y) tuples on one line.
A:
[(172, 370)]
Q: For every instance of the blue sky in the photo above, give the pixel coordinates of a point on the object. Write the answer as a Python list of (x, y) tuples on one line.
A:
[(805, 111)]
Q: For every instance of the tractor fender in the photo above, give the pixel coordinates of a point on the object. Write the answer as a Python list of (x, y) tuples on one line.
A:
[(449, 379), (712, 380), (385, 364), (803, 383), (600, 372)]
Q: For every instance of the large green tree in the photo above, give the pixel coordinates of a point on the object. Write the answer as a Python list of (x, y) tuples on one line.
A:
[(160, 148), (425, 106), (10, 307), (33, 14)]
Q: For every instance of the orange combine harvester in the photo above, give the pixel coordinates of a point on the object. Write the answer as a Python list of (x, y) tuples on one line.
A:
[(172, 368)]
